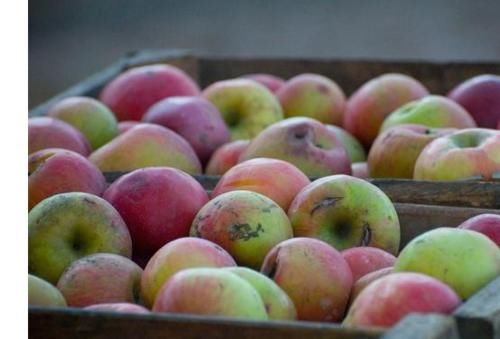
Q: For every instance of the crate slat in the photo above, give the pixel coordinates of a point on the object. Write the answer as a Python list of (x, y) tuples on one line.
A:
[(420, 326)]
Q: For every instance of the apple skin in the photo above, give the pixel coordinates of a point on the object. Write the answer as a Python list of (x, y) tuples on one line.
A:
[(364, 260), (101, 278), (244, 223), (177, 255), (272, 82), (225, 157), (259, 175), (158, 204), (314, 96), (480, 96), (146, 145), (390, 298), (360, 170), (463, 259), (346, 212), (471, 153), (353, 147), (43, 293), (314, 275), (303, 142), (210, 291), (431, 111), (278, 304), (69, 226), (246, 106), (124, 126), (367, 279), (131, 93), (487, 224), (55, 170), (375, 100), (395, 151), (88, 115), (46, 132), (193, 118), (118, 307)]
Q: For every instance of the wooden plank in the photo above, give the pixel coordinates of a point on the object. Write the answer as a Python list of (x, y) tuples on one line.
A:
[(428, 326), (75, 323), (479, 317)]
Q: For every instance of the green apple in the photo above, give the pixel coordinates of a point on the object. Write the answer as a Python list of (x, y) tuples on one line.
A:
[(43, 293), (353, 147)]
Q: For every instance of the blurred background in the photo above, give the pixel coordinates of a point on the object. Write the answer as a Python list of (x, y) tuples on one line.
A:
[(72, 39)]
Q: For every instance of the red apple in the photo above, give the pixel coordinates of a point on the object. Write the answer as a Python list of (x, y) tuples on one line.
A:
[(480, 96), (487, 224), (193, 118), (225, 157), (272, 82), (259, 175), (360, 170), (389, 299), (364, 260), (375, 100), (314, 275), (131, 93), (158, 205), (314, 96), (125, 125), (45, 132), (367, 279), (55, 170), (118, 307)]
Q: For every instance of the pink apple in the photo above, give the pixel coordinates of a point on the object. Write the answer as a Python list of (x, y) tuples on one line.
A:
[(131, 93), (118, 307), (360, 170), (367, 279), (259, 175), (225, 157), (272, 82), (487, 224), (158, 205), (364, 260), (125, 125), (195, 119), (480, 96), (314, 275), (314, 96)]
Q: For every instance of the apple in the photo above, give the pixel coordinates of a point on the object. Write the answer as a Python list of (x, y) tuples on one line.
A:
[(314, 275), (193, 118), (177, 255), (278, 304), (272, 82), (131, 93), (246, 106), (463, 259), (146, 145), (244, 223), (118, 307), (466, 154), (158, 205), (353, 147), (364, 260), (360, 170), (46, 132), (125, 125), (431, 111), (395, 151), (487, 224), (371, 103), (225, 157), (303, 142), (92, 118), (314, 96), (68, 226), (390, 298), (367, 279), (56, 170), (210, 291), (259, 175), (346, 212), (101, 278), (480, 96), (43, 293)]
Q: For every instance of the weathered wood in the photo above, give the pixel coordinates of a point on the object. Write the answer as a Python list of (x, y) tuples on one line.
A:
[(416, 219), (74, 323), (479, 317), (428, 326)]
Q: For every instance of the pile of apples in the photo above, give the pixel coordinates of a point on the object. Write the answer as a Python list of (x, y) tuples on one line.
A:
[(266, 243)]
